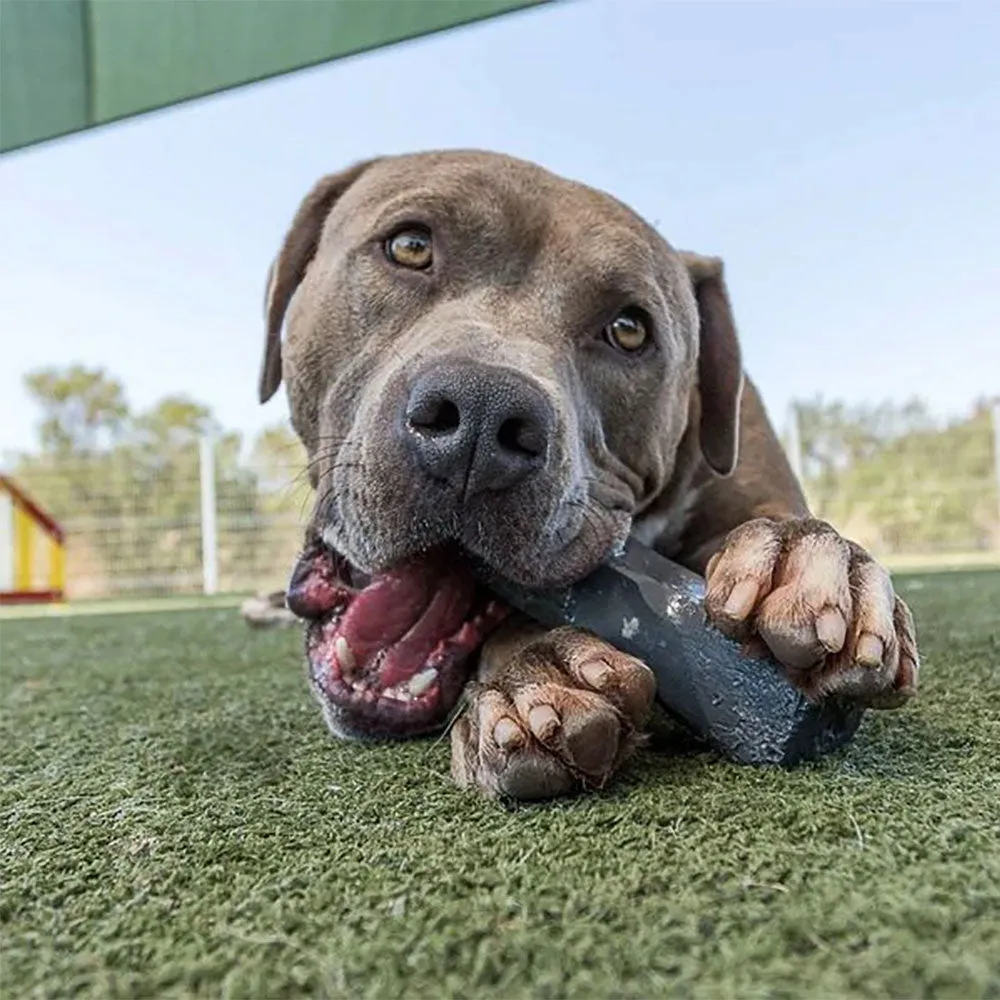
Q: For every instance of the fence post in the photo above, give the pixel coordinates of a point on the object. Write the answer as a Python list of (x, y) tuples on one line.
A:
[(209, 533), (996, 460), (793, 441)]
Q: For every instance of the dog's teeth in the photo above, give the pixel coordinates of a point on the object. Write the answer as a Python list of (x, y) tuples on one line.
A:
[(397, 693), (422, 681), (345, 655)]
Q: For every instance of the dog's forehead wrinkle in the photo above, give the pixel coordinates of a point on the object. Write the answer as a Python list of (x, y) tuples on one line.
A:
[(471, 193), (504, 197), (476, 209), (492, 327)]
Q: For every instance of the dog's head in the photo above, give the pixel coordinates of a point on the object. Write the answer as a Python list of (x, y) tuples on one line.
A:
[(486, 363)]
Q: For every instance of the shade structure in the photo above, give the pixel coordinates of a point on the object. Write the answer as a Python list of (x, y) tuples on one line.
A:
[(68, 65)]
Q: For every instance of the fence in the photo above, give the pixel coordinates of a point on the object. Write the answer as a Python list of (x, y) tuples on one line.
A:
[(923, 496), (191, 523), (198, 520)]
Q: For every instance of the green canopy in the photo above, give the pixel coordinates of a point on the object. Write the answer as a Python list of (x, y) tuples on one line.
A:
[(67, 65)]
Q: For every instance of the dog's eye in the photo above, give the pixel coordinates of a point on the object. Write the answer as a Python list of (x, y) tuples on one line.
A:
[(411, 248), (627, 331)]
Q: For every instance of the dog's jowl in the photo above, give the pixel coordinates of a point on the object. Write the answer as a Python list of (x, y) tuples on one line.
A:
[(495, 368)]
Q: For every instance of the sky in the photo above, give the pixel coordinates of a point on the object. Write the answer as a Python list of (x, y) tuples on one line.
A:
[(843, 158)]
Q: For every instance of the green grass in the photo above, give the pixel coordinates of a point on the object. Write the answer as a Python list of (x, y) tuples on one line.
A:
[(119, 606), (176, 822)]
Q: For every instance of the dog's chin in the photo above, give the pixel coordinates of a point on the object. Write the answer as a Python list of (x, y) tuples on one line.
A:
[(389, 654)]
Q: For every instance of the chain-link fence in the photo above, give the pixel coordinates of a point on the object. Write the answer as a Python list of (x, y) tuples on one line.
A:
[(200, 520), (915, 492), (191, 524)]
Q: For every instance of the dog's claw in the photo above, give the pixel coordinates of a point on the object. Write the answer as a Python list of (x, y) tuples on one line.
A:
[(741, 600), (507, 735), (543, 721), (596, 673), (869, 651), (831, 630)]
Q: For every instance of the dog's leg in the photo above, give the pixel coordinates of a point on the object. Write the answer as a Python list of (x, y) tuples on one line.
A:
[(822, 605), (551, 712)]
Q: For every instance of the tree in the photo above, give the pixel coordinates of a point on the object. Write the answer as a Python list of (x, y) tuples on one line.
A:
[(278, 457), (898, 480), (82, 408), (174, 422), (128, 485), (279, 464)]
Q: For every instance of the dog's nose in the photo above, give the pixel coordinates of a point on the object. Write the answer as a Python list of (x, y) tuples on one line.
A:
[(478, 427)]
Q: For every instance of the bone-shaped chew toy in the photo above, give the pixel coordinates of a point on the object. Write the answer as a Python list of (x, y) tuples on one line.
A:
[(650, 607)]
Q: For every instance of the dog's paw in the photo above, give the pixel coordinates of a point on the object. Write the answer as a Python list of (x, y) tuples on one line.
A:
[(822, 605), (558, 717)]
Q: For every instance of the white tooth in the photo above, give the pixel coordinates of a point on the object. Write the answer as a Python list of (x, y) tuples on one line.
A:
[(422, 681), (397, 693), (345, 655)]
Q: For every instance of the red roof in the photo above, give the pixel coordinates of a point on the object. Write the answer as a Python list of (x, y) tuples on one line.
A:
[(43, 520)]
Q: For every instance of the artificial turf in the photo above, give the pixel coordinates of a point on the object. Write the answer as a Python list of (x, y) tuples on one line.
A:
[(176, 822)]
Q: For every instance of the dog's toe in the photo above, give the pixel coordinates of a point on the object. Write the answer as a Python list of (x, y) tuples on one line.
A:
[(622, 679), (496, 749), (531, 776), (560, 717), (581, 728), (822, 605)]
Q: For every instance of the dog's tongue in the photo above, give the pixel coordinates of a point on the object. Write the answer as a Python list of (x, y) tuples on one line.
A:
[(407, 612), (397, 621)]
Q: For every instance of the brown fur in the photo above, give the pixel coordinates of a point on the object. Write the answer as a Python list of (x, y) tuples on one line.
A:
[(673, 445)]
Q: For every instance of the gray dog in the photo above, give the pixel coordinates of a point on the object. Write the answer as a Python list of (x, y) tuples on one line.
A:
[(491, 366)]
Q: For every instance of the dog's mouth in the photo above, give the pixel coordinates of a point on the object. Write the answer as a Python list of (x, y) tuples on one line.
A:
[(390, 654)]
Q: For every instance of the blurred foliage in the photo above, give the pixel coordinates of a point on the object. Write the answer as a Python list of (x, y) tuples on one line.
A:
[(126, 484), (899, 481), (81, 408)]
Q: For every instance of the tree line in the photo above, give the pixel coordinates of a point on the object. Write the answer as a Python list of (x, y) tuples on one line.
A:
[(126, 486), (899, 480), (126, 483)]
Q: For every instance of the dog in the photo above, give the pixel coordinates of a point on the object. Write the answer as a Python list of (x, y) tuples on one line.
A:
[(494, 369)]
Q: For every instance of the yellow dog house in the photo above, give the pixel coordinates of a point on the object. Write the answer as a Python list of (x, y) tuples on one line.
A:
[(32, 549)]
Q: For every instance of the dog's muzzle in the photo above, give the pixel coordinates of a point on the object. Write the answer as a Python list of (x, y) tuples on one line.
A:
[(389, 655)]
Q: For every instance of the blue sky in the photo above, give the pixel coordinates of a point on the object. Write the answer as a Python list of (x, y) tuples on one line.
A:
[(843, 158)]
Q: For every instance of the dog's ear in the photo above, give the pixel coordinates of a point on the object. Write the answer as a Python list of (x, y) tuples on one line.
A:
[(720, 368), (289, 267)]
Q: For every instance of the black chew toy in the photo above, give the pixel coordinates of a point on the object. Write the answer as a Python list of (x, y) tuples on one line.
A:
[(650, 607)]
